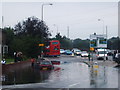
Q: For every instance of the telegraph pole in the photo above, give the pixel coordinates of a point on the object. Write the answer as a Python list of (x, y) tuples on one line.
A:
[(68, 31)]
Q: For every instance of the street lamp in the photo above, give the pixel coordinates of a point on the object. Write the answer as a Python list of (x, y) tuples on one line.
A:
[(42, 9), (103, 26), (105, 34), (42, 21), (103, 23)]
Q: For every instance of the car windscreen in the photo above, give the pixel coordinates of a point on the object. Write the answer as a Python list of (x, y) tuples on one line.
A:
[(61, 50), (67, 50), (102, 52), (78, 51)]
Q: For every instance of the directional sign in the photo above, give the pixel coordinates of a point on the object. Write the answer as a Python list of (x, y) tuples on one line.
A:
[(93, 43), (41, 45), (91, 49)]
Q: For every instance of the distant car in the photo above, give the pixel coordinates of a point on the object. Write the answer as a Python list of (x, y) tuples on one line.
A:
[(68, 52), (84, 54), (62, 51), (45, 64), (76, 51), (101, 54)]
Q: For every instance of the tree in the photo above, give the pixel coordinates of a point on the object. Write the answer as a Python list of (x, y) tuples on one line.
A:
[(32, 27), (113, 43), (65, 42), (81, 44), (9, 36), (29, 34)]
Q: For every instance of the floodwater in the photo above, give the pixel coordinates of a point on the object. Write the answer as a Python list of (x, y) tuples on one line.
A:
[(67, 75)]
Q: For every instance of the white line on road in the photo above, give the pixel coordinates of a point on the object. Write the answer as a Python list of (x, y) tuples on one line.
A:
[(73, 84), (23, 85)]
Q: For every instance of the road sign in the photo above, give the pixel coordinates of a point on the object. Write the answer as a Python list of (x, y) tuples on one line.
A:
[(41, 45), (93, 43), (91, 49)]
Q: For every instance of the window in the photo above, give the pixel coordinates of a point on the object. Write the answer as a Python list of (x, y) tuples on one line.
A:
[(54, 42)]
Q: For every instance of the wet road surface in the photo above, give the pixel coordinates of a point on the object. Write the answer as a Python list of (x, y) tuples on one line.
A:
[(71, 73)]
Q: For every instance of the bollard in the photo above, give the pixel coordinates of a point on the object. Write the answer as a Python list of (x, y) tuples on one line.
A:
[(73, 54)]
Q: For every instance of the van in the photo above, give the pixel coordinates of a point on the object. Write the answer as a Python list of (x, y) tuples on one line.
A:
[(102, 54)]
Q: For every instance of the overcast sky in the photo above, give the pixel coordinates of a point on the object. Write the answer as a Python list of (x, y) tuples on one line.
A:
[(81, 17)]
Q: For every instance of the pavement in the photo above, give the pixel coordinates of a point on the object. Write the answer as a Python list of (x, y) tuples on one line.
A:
[(108, 63)]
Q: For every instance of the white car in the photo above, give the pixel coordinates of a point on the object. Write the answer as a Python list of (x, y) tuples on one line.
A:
[(76, 51), (62, 51), (101, 54), (84, 54)]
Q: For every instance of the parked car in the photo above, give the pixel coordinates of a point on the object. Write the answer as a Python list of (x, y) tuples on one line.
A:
[(45, 64), (62, 51), (68, 52), (84, 54)]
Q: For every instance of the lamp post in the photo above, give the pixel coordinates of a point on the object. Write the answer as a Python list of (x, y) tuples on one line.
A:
[(42, 36), (105, 34), (103, 23), (43, 8)]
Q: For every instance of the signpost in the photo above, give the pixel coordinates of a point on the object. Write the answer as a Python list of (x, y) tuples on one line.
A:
[(41, 45), (92, 49), (98, 41)]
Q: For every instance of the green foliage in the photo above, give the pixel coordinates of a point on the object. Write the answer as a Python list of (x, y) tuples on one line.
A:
[(65, 43), (9, 34), (9, 60), (114, 43), (81, 44), (32, 27), (26, 36)]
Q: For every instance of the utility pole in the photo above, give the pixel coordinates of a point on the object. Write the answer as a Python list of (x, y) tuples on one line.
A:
[(103, 23), (2, 22), (68, 32), (2, 52), (106, 32)]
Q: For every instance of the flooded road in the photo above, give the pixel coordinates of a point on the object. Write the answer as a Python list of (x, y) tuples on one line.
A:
[(71, 73)]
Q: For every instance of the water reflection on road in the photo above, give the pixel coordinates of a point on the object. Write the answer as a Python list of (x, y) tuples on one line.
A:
[(66, 75)]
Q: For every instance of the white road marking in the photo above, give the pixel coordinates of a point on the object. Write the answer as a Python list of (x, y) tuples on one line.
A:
[(73, 84)]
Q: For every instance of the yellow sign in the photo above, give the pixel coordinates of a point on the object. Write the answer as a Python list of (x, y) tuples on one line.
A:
[(95, 66), (91, 49), (41, 44)]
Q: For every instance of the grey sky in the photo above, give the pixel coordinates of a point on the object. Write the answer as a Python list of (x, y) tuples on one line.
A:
[(81, 17)]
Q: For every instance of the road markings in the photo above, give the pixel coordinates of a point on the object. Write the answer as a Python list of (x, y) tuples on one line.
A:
[(63, 89), (73, 84)]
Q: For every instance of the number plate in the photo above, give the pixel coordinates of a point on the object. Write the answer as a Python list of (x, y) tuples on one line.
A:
[(45, 68)]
